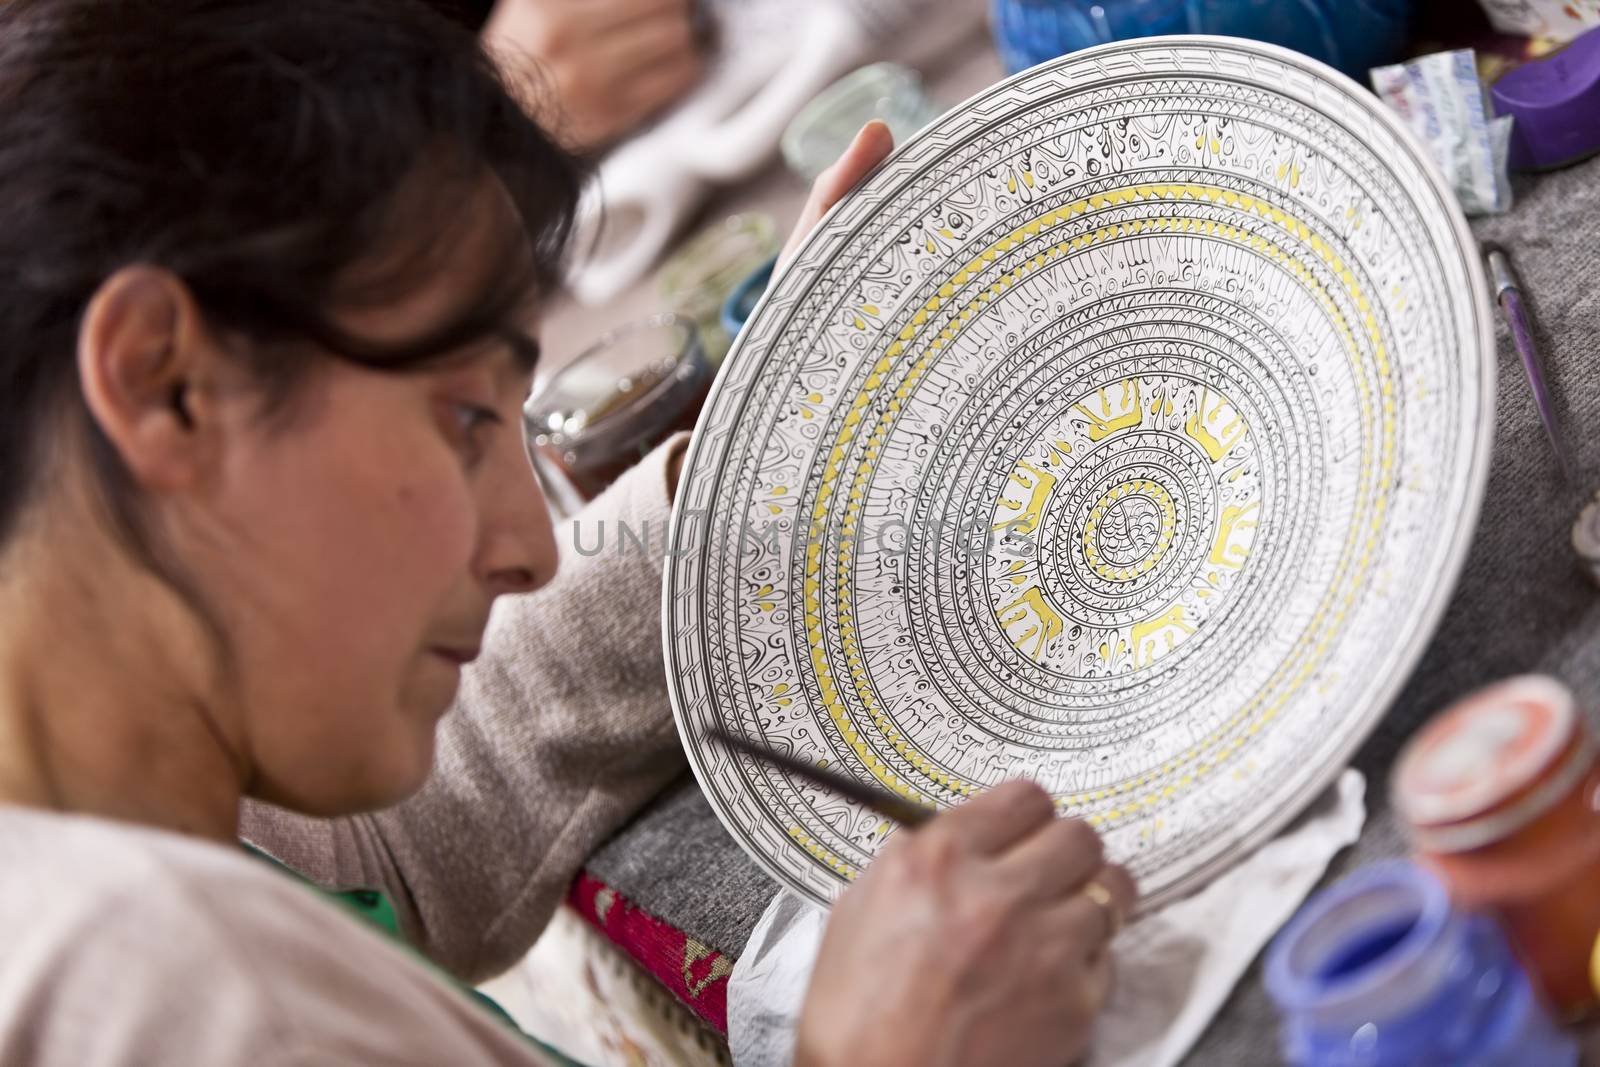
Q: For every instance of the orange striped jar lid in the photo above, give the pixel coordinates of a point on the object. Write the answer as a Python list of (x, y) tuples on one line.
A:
[(1491, 764)]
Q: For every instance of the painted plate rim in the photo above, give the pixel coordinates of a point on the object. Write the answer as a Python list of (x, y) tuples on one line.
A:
[(1397, 668)]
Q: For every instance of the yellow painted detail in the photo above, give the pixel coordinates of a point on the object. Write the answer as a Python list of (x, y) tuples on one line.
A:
[(1126, 411), (1038, 485), (1235, 518), (1168, 511), (1040, 622), (1146, 636), (1355, 557), (1216, 428)]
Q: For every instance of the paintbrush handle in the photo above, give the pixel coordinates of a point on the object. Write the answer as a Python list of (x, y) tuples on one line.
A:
[(1508, 294), (889, 805), (1522, 337)]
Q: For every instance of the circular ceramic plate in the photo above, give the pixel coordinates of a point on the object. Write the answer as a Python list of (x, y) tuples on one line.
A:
[(1124, 431)]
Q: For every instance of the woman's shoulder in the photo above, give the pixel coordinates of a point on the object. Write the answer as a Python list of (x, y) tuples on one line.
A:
[(111, 938), (65, 860), (80, 893), (99, 887), (86, 869), (121, 944)]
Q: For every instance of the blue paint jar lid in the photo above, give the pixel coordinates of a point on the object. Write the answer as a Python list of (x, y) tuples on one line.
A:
[(1352, 36), (741, 303)]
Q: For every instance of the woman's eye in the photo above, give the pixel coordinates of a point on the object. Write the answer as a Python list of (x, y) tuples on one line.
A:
[(472, 423)]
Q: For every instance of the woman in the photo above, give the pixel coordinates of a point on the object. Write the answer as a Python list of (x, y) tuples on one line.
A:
[(264, 272)]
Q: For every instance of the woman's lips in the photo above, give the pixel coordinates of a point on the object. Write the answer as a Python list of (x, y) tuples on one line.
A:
[(460, 657)]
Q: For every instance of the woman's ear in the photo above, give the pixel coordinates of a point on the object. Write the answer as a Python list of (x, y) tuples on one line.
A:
[(145, 361)]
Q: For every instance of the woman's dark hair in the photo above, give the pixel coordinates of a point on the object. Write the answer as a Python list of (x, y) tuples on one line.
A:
[(259, 150)]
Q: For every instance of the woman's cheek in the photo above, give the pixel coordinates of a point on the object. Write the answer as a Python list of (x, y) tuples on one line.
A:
[(443, 522)]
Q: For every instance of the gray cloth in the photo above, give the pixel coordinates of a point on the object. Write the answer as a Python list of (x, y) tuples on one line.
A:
[(676, 862), (1521, 605)]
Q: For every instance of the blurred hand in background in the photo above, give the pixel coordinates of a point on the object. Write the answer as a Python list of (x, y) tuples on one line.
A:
[(608, 65)]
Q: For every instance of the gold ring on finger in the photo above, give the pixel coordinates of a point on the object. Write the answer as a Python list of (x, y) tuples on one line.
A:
[(1101, 897)]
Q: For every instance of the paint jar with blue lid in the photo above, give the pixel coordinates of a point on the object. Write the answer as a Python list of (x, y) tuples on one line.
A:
[(741, 303), (1352, 35), (1380, 970)]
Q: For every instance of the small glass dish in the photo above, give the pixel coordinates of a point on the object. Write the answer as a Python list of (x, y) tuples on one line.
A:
[(826, 126), (697, 279), (623, 396)]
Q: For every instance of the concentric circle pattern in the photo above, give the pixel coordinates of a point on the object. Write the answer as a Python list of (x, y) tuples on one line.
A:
[(1123, 432)]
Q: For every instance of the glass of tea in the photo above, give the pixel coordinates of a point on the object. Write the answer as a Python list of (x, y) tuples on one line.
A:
[(625, 394)]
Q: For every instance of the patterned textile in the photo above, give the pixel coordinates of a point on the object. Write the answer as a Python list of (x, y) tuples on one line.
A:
[(582, 994), (693, 972)]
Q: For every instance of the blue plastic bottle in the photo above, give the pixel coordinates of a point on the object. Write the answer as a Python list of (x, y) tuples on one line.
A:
[(1352, 35), (1379, 971)]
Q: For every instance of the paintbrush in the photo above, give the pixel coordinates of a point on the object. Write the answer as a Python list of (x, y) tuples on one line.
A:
[(905, 812), (1508, 294)]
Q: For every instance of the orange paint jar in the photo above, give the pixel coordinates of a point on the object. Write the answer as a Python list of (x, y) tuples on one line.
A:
[(1502, 796)]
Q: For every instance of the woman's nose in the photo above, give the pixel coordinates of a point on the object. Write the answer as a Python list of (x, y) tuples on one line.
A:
[(517, 551)]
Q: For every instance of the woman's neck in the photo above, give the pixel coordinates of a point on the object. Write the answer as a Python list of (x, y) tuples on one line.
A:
[(101, 697)]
